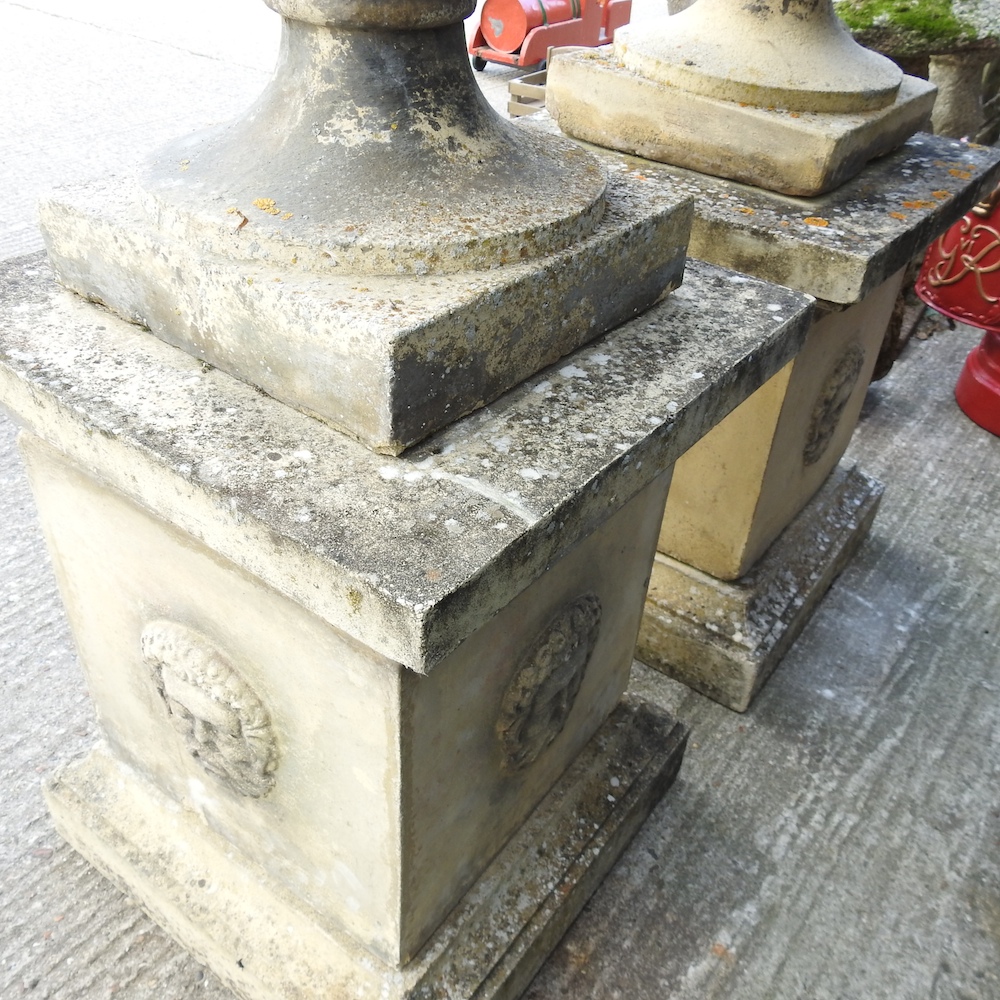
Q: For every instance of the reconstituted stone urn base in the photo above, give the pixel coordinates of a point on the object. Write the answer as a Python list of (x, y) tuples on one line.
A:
[(362, 731), (801, 153)]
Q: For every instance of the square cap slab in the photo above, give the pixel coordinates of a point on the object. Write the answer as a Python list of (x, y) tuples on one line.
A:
[(339, 529)]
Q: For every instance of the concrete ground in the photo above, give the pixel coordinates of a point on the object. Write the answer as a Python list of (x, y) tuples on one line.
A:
[(841, 841)]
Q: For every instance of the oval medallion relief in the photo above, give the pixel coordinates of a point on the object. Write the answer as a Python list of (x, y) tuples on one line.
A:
[(538, 700), (222, 721), (830, 403)]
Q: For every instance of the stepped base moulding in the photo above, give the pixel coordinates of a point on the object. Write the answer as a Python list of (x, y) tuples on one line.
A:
[(724, 638), (262, 945), (371, 242)]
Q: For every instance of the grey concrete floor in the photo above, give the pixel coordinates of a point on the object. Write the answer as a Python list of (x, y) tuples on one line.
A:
[(841, 841)]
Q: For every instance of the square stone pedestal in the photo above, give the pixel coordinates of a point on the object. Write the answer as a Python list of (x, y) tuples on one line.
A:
[(725, 638), (361, 714)]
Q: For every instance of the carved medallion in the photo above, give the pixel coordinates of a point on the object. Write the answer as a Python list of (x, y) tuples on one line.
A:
[(223, 723), (830, 403), (538, 701)]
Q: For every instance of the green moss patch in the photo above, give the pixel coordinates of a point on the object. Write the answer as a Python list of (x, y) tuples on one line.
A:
[(907, 26)]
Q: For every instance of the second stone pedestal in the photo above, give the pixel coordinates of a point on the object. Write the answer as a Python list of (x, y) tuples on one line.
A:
[(752, 477), (773, 94)]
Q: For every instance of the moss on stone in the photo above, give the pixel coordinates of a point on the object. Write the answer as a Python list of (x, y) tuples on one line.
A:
[(907, 26)]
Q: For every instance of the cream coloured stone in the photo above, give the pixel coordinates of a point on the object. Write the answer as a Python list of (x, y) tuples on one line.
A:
[(241, 924), (594, 97), (377, 767), (736, 490), (371, 242), (958, 110), (839, 246), (518, 484), (334, 685), (795, 54), (387, 358)]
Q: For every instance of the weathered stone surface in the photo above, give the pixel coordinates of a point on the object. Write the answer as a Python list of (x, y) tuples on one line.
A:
[(334, 769), (842, 245), (795, 54), (370, 241), (328, 523), (801, 153), (904, 29), (736, 489), (388, 358), (489, 948), (724, 639)]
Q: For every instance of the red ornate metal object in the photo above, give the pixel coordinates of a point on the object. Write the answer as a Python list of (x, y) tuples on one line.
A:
[(960, 278)]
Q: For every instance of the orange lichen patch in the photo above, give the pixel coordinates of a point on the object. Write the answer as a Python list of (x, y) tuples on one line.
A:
[(898, 215), (784, 222), (918, 204), (941, 195), (719, 950), (745, 209), (794, 114), (267, 205), (815, 220), (965, 175)]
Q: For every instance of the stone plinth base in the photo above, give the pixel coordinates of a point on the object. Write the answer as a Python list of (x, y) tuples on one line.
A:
[(386, 358), (724, 639), (263, 945), (593, 97)]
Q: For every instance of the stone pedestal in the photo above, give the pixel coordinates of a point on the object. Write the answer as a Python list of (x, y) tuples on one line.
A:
[(737, 488), (743, 489), (772, 94), (743, 519), (371, 243), (361, 719)]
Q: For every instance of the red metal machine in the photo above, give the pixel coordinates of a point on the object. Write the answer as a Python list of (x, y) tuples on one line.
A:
[(520, 32), (960, 278)]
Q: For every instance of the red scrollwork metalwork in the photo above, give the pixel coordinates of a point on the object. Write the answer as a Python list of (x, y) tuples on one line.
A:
[(960, 276)]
